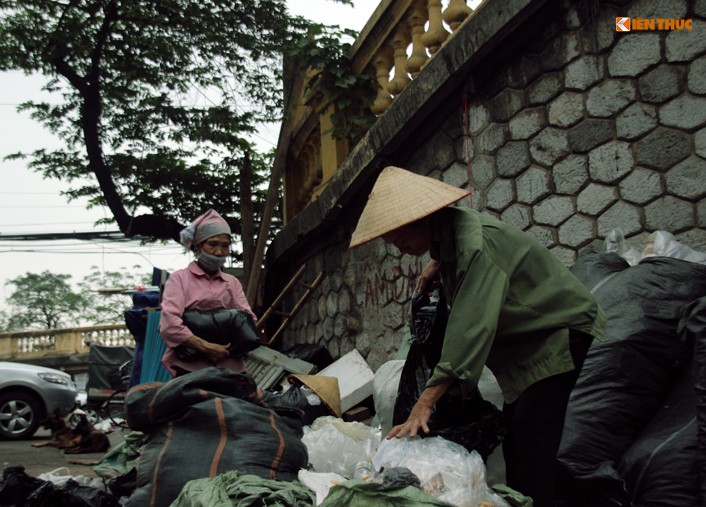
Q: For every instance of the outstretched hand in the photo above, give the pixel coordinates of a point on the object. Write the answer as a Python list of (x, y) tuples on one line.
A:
[(429, 279), (418, 418), (421, 412)]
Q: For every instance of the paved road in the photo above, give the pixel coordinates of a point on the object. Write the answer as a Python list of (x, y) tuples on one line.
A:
[(39, 460)]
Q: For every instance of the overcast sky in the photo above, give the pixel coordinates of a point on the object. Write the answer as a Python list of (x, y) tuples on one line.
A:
[(30, 204)]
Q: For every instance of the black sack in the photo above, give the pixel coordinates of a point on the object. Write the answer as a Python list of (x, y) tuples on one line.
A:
[(660, 467), (625, 379), (474, 423), (224, 327)]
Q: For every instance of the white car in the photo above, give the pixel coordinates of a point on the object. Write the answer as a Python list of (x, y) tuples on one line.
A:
[(28, 394)]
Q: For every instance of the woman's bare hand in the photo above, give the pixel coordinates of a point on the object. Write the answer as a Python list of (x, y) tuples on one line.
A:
[(429, 279), (421, 412), (213, 351), (418, 418)]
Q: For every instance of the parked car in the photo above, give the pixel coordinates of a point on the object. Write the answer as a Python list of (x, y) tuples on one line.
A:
[(28, 394)]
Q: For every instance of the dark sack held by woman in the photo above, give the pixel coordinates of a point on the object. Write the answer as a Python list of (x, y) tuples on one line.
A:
[(225, 327)]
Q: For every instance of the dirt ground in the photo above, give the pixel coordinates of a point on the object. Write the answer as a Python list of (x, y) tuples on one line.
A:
[(39, 460)]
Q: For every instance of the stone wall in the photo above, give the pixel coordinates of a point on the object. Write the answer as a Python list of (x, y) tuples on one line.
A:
[(568, 129)]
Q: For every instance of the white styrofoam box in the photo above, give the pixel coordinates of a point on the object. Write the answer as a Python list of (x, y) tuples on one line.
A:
[(355, 378)]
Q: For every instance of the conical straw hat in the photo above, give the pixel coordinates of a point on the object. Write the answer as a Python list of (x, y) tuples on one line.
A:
[(325, 388), (401, 197)]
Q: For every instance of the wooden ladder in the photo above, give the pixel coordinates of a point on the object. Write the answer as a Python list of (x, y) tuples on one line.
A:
[(288, 316)]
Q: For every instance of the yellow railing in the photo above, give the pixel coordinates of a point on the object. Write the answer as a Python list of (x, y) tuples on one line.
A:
[(59, 342), (393, 46)]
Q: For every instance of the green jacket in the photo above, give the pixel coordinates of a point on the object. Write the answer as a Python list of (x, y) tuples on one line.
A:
[(512, 304)]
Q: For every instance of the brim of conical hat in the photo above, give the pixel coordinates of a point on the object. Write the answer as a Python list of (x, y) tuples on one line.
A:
[(325, 388), (398, 198)]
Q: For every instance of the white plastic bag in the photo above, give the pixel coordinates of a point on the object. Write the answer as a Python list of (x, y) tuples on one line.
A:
[(319, 483), (615, 242), (664, 244), (60, 476), (445, 469), (337, 446)]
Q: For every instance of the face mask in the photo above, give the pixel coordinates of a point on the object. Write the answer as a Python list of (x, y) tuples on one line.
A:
[(210, 262)]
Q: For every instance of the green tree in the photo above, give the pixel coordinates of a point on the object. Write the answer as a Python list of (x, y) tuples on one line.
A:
[(159, 98), (107, 293), (43, 301)]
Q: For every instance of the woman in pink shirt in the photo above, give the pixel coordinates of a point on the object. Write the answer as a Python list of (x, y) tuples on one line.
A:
[(202, 285)]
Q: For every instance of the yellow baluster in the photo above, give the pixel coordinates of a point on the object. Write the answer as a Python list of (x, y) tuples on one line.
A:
[(383, 64), (456, 13), (399, 44), (419, 55), (436, 34)]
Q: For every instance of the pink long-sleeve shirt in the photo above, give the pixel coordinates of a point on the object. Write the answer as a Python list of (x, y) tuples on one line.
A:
[(192, 288)]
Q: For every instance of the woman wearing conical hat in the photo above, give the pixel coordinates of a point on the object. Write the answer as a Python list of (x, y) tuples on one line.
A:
[(514, 308)]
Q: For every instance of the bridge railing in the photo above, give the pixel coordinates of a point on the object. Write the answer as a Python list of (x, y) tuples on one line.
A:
[(50, 342), (396, 43)]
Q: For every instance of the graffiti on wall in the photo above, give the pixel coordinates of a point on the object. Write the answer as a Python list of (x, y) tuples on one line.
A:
[(381, 284)]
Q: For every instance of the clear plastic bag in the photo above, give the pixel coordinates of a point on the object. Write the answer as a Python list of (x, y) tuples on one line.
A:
[(337, 446), (664, 244), (445, 469), (61, 476)]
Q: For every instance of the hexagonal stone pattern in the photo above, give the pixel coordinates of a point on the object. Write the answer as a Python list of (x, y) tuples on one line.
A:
[(697, 76), (561, 51), (527, 123), (549, 146), (685, 112), (621, 215), (658, 8), (456, 175), (506, 104), (701, 213), (684, 45), (583, 72), (482, 171), (492, 138), (533, 185), (670, 214), (571, 174), (662, 148), (590, 133), (636, 120), (542, 234), (517, 215), (634, 53), (595, 198), (500, 194), (660, 84), (566, 256), (641, 186), (576, 231), (553, 210), (700, 143), (523, 71), (545, 88), (513, 158), (611, 161), (478, 118), (610, 96), (688, 178), (566, 109)]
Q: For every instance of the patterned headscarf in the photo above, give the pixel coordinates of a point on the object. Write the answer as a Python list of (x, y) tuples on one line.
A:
[(207, 225)]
